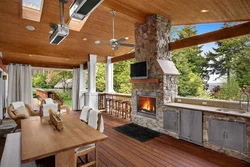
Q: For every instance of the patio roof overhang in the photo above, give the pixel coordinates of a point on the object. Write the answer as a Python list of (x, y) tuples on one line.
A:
[(17, 43)]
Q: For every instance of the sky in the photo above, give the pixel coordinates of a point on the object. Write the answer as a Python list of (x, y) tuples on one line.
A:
[(37, 2), (34, 4), (204, 28)]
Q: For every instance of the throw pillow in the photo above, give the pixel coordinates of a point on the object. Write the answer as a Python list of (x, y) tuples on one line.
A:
[(21, 110)]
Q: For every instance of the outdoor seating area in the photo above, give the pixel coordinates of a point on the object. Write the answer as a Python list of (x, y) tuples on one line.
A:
[(115, 83)]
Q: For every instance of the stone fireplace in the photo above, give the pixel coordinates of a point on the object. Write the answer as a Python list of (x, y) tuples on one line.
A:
[(148, 99), (146, 104)]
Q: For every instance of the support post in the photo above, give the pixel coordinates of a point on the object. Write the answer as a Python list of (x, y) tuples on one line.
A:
[(109, 76), (92, 95), (82, 85)]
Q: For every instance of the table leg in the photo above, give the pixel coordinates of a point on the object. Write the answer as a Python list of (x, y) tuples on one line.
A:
[(65, 159)]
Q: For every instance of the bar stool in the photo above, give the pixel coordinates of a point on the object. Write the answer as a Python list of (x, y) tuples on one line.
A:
[(114, 106), (128, 111), (124, 109), (119, 107)]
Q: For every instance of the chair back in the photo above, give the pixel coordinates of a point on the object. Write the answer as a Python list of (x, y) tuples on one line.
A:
[(49, 101), (96, 120), (47, 104), (46, 107), (85, 113)]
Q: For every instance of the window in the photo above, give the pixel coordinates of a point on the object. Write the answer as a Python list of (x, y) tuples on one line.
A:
[(32, 9)]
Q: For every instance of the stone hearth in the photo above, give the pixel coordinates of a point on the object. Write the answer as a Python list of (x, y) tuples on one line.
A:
[(151, 45)]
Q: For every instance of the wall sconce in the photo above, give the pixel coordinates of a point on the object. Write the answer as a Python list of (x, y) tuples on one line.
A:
[(4, 77)]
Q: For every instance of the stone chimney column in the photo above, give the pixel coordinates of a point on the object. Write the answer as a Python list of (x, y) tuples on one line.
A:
[(152, 45)]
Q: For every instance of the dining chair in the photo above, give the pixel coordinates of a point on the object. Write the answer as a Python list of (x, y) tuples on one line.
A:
[(47, 104), (95, 120), (85, 113)]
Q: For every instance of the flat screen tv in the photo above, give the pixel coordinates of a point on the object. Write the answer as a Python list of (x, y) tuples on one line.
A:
[(139, 70)]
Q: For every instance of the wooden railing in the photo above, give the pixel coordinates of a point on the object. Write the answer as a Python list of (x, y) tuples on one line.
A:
[(106, 102), (49, 94)]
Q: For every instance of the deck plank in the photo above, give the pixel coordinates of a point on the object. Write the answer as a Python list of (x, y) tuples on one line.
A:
[(163, 151), (120, 150)]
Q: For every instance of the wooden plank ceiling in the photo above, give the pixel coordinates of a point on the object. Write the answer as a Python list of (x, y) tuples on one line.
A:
[(17, 43)]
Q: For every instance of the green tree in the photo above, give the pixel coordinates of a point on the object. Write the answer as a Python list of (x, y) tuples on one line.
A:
[(48, 79), (100, 77), (229, 91), (39, 80), (191, 64), (64, 76), (242, 64), (225, 60), (122, 76)]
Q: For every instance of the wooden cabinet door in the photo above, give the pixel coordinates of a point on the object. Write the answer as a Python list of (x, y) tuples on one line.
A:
[(235, 136), (185, 124), (171, 121)]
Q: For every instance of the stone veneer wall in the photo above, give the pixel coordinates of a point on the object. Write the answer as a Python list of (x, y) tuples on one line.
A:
[(227, 151), (151, 43)]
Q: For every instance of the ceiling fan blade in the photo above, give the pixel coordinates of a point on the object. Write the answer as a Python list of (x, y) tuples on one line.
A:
[(115, 48), (121, 40), (127, 45)]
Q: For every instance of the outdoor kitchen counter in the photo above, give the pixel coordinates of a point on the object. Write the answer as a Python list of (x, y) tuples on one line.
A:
[(209, 109)]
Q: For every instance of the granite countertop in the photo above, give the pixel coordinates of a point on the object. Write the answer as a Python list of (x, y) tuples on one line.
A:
[(210, 109)]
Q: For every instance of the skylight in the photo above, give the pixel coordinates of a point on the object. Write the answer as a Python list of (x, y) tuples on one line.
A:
[(32, 9), (33, 4)]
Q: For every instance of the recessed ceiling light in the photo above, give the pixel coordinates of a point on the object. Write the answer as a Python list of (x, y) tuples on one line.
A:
[(30, 55), (204, 10), (97, 42), (127, 38), (30, 28), (85, 39), (50, 32)]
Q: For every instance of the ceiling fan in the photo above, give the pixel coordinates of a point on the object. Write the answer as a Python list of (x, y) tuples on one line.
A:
[(114, 42)]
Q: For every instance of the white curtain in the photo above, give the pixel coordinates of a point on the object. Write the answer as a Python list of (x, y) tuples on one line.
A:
[(76, 89), (20, 83), (2, 93)]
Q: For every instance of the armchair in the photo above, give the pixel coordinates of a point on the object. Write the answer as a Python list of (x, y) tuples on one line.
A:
[(18, 118)]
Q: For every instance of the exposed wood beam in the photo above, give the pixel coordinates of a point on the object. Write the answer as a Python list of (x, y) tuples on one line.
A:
[(225, 33), (2, 66), (56, 53), (123, 57), (45, 64)]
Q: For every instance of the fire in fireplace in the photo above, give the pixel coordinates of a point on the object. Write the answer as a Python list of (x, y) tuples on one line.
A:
[(147, 105)]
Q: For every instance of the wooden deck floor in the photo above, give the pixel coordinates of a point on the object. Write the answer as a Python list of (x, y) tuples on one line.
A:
[(120, 150)]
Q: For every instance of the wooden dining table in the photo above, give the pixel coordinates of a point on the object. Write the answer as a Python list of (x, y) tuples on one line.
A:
[(39, 139)]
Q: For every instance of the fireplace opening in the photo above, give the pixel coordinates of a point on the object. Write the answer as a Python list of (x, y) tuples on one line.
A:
[(147, 105)]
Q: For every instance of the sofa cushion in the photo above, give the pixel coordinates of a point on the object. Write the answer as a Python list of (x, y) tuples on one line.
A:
[(21, 110)]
